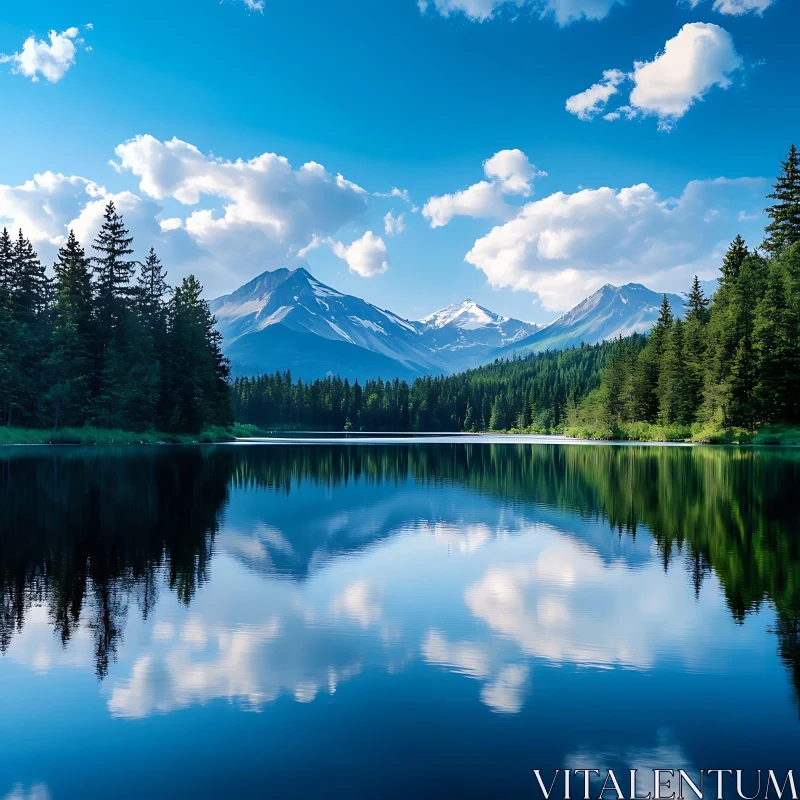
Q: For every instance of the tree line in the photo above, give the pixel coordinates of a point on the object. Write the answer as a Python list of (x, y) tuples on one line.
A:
[(734, 360), (105, 341), (731, 361), (534, 393)]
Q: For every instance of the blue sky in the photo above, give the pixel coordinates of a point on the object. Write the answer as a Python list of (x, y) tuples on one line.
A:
[(387, 95)]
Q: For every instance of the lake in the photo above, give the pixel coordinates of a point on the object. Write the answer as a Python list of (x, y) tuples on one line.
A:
[(396, 619)]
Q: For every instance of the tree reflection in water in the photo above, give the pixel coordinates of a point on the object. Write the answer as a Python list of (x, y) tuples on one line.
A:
[(91, 533)]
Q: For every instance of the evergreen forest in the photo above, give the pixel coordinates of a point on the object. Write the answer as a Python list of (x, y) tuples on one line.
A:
[(104, 341)]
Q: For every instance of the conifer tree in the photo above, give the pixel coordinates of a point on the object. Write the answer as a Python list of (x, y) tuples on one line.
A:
[(697, 303), (777, 375), (784, 227), (69, 366), (29, 282), (6, 261), (152, 291), (198, 372), (672, 387), (113, 270), (695, 348)]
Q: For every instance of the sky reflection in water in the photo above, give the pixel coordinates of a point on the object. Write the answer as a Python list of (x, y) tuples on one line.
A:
[(391, 617)]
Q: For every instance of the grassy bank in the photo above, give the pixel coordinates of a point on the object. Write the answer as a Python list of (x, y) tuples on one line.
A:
[(698, 434), (89, 435)]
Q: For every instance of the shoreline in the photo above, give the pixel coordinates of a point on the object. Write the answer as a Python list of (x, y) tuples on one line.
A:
[(98, 437), (251, 435)]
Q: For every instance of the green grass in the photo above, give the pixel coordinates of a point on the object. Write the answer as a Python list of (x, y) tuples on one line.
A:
[(100, 436)]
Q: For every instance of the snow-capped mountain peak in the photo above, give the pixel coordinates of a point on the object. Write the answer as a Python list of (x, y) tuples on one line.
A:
[(467, 316)]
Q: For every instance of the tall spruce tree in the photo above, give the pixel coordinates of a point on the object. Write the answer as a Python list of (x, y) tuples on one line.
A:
[(68, 369), (695, 348), (697, 303), (113, 271), (197, 370), (29, 281), (6, 261), (777, 374), (784, 227)]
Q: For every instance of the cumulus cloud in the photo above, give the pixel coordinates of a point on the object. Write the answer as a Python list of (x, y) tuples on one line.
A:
[(563, 11), (49, 205), (365, 256), (482, 199), (244, 216), (566, 245), (394, 224), (737, 7), (592, 101), (508, 172), (255, 212), (49, 60), (699, 58)]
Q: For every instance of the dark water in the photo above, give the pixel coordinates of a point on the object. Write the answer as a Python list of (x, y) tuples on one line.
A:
[(429, 620)]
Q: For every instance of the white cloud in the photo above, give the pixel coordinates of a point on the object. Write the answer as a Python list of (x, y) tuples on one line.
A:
[(257, 213), (254, 5), (480, 200), (566, 245), (395, 192), (508, 171), (365, 256), (592, 101), (563, 11), (700, 57), (511, 171), (50, 204), (393, 225), (737, 7), (49, 60)]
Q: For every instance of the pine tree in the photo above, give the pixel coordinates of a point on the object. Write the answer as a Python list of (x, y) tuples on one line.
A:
[(777, 372), (784, 228), (741, 385), (113, 271), (12, 352), (29, 282), (732, 263), (697, 303), (6, 261), (695, 349), (672, 388), (152, 291), (197, 370), (69, 366), (721, 336)]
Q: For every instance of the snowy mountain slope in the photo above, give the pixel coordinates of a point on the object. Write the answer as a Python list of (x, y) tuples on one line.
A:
[(289, 320), (466, 334), (296, 301), (609, 313)]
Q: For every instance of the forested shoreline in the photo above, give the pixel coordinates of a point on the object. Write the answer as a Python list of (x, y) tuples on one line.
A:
[(729, 367), (105, 343)]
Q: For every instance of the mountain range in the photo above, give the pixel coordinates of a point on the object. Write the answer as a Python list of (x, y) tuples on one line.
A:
[(287, 319)]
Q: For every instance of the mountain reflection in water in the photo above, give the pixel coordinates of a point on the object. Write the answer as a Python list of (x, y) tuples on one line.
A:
[(181, 576)]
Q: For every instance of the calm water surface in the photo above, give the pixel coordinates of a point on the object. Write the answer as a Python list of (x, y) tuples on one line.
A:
[(399, 620)]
